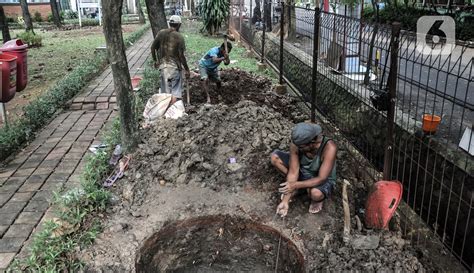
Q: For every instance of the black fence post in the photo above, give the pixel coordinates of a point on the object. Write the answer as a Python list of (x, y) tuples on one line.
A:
[(264, 28), (282, 30), (314, 85), (392, 96)]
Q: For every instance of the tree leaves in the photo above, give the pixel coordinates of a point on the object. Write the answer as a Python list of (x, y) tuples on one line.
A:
[(214, 13)]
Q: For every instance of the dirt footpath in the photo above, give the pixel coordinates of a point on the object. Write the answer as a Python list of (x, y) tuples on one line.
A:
[(215, 162)]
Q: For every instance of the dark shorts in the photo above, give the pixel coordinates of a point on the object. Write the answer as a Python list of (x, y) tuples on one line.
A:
[(211, 74), (326, 188)]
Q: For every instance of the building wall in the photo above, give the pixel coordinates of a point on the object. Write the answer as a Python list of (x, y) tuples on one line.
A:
[(14, 10)]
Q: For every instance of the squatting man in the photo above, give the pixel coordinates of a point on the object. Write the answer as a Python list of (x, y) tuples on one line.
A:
[(167, 52), (310, 165)]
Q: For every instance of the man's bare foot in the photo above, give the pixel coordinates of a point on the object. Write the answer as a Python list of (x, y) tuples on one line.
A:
[(315, 206), (208, 100), (282, 209)]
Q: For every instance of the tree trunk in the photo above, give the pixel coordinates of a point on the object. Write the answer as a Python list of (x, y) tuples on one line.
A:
[(156, 15), (193, 8), (118, 61), (4, 26), (55, 12), (372, 42), (26, 16), (290, 20), (268, 14), (141, 16)]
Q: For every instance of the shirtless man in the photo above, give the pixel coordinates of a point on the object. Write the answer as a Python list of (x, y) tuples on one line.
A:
[(167, 52), (310, 165)]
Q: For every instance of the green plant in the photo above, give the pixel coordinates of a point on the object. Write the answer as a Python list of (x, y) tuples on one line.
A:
[(69, 14), (37, 17), (51, 19), (214, 13), (32, 39)]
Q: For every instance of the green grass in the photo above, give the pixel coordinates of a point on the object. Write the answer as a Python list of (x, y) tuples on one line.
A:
[(61, 52)]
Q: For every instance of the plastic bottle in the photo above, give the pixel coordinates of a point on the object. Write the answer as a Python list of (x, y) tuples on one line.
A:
[(116, 155)]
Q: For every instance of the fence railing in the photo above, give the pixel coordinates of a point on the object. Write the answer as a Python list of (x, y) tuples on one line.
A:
[(376, 83)]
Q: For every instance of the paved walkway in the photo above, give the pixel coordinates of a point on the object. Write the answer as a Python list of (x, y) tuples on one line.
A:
[(55, 159)]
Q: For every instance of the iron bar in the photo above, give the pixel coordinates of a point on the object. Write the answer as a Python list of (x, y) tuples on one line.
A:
[(392, 88), (282, 33), (264, 28), (315, 64)]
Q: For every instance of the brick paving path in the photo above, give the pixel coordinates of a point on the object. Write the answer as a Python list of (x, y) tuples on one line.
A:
[(55, 159)]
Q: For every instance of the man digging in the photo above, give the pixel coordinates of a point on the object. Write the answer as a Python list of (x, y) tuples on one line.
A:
[(208, 66), (310, 165), (167, 52)]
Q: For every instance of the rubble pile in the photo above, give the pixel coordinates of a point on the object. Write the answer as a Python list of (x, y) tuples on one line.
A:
[(390, 252), (216, 147)]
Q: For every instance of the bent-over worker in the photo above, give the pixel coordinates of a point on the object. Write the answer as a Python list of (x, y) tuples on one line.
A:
[(208, 66)]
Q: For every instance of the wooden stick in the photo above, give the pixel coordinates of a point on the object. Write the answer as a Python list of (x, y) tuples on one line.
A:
[(347, 213), (188, 99)]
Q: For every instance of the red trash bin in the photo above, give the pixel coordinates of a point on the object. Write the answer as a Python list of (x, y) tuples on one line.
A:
[(18, 49), (8, 77)]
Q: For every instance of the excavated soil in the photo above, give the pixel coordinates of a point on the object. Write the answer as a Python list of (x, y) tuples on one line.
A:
[(215, 162)]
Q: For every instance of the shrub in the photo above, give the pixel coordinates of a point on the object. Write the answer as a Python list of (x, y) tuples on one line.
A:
[(69, 14), (11, 20), (214, 13), (32, 39), (37, 17), (50, 17)]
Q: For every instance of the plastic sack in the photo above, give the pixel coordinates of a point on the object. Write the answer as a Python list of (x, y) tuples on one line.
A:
[(176, 110), (156, 106)]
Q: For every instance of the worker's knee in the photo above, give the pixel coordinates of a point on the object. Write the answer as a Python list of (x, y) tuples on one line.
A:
[(316, 194), (275, 159)]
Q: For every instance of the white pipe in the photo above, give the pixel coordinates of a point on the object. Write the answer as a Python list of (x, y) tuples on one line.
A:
[(79, 12)]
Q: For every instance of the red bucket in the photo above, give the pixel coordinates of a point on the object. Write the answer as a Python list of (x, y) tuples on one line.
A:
[(135, 82), (382, 202)]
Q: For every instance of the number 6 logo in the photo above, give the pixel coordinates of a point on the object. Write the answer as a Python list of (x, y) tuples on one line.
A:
[(435, 35)]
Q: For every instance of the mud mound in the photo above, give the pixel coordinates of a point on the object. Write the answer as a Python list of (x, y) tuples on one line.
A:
[(392, 254), (219, 147), (238, 85)]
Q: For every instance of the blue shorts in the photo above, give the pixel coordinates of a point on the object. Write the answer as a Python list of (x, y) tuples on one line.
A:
[(211, 74), (326, 188)]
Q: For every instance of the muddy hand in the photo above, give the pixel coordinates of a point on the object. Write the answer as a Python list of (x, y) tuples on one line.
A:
[(282, 209)]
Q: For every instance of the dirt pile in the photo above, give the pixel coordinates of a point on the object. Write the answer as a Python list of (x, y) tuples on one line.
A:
[(391, 254), (218, 146), (238, 85)]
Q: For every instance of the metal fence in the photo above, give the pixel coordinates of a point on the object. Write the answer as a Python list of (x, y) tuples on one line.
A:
[(379, 84)]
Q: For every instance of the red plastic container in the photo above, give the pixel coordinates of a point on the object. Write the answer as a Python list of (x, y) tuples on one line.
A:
[(8, 77), (135, 81), (382, 202), (18, 49)]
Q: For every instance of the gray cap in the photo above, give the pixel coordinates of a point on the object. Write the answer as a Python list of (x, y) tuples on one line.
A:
[(304, 133)]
